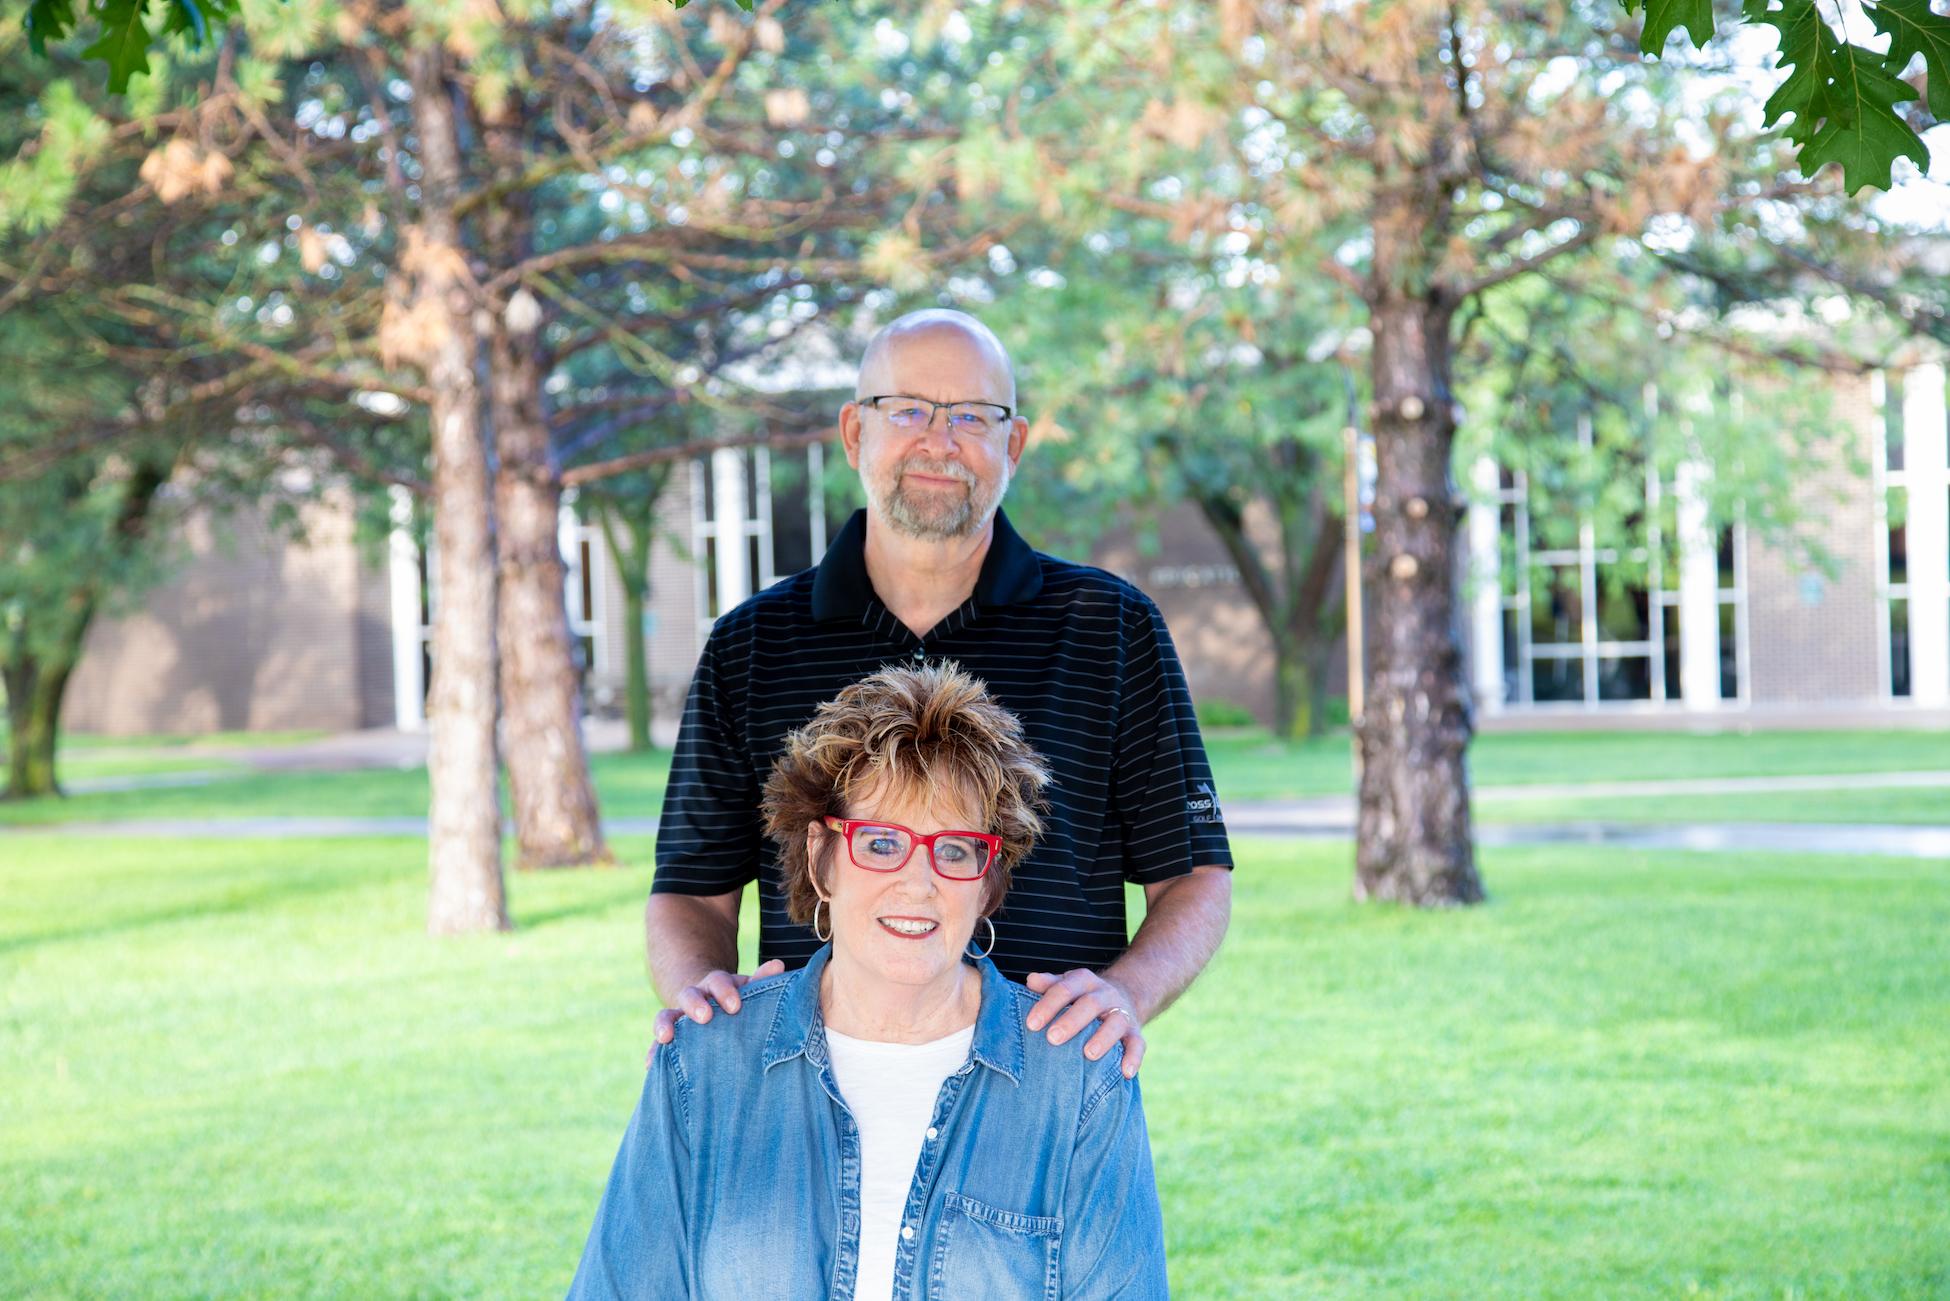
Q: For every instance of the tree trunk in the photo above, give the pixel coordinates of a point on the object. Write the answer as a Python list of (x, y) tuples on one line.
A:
[(36, 670), (630, 544), (636, 687), (1300, 683), (1296, 602), (464, 821), (556, 822), (1414, 835), (31, 729), (556, 818)]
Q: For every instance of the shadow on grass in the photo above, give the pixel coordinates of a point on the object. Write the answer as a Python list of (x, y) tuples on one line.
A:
[(626, 889), (267, 891)]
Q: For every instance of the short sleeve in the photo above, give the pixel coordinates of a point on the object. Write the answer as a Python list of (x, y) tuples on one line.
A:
[(709, 836), (1161, 783)]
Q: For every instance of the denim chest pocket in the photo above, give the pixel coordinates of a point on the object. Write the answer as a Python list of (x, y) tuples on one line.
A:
[(980, 1251)]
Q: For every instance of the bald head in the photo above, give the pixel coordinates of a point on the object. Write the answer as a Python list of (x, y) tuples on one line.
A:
[(918, 347)]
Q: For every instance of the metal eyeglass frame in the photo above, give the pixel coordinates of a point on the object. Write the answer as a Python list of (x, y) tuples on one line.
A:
[(988, 426)]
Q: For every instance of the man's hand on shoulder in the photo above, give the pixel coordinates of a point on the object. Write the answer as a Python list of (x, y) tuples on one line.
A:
[(1073, 1000), (694, 1001)]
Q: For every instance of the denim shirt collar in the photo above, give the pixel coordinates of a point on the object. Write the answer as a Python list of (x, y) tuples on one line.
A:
[(798, 1030)]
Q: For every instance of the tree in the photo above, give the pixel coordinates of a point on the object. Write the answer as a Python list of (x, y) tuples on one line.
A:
[(75, 540), (1844, 99), (1417, 156), (464, 820), (625, 507), (1156, 380)]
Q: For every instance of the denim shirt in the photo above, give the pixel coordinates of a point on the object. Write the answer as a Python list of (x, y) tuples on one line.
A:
[(739, 1176)]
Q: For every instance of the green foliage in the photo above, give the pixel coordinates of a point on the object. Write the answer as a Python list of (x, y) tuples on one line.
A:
[(1843, 100), (126, 38), (123, 44), (1216, 711), (1914, 30), (35, 187), (1663, 17), (1842, 96)]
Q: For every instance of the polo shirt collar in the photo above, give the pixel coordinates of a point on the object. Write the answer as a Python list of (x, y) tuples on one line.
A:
[(1011, 573), (799, 1031)]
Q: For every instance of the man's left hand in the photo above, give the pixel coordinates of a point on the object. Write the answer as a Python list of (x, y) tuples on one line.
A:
[(1073, 1000)]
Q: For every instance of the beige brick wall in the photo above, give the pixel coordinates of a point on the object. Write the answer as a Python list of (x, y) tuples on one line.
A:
[(1812, 636), (253, 633), (1226, 650)]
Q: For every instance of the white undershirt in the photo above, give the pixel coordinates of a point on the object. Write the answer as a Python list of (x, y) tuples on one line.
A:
[(891, 1091)]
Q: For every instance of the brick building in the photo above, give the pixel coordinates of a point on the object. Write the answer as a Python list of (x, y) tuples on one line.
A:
[(265, 634)]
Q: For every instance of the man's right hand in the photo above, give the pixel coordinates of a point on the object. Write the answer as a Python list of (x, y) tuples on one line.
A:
[(694, 1001)]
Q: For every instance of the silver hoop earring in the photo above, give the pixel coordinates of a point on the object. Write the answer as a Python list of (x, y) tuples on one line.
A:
[(991, 948), (829, 924)]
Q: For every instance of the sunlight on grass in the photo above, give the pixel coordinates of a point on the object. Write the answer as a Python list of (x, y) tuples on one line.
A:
[(1247, 766), (241, 1069)]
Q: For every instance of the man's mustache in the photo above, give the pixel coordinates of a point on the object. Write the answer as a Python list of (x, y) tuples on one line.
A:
[(939, 469)]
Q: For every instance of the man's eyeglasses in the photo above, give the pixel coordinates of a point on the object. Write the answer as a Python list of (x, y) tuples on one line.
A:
[(886, 847), (918, 413)]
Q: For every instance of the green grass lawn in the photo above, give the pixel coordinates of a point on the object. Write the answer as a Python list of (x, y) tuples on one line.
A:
[(85, 741), (630, 785), (1247, 765), (1916, 807), (240, 1069), (86, 756)]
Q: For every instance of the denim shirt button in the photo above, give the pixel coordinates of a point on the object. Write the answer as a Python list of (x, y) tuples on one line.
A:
[(907, 1232), (933, 1133)]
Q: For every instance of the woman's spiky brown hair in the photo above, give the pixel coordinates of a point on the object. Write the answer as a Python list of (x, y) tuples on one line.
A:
[(926, 731)]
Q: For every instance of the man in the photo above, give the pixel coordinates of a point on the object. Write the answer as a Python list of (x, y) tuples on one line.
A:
[(931, 569)]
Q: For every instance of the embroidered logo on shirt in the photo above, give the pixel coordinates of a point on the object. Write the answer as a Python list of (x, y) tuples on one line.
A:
[(1203, 805)]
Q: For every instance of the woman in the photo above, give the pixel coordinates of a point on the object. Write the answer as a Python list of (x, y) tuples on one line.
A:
[(879, 1123)]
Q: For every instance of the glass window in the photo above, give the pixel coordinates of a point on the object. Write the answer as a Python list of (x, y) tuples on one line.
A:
[(1624, 677), (1729, 572), (1557, 680), (1512, 659), (711, 610), (844, 495), (792, 541), (585, 585), (1509, 560), (1670, 649), (1624, 606), (1669, 554), (1898, 647), (1556, 608), (1729, 651), (1898, 537)]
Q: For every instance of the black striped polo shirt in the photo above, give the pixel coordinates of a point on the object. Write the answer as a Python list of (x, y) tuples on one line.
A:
[(1080, 655)]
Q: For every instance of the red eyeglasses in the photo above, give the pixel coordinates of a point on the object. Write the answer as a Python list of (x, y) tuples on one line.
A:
[(886, 847)]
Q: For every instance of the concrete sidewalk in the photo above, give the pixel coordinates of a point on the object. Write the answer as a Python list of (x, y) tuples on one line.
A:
[(1280, 821), (387, 748)]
